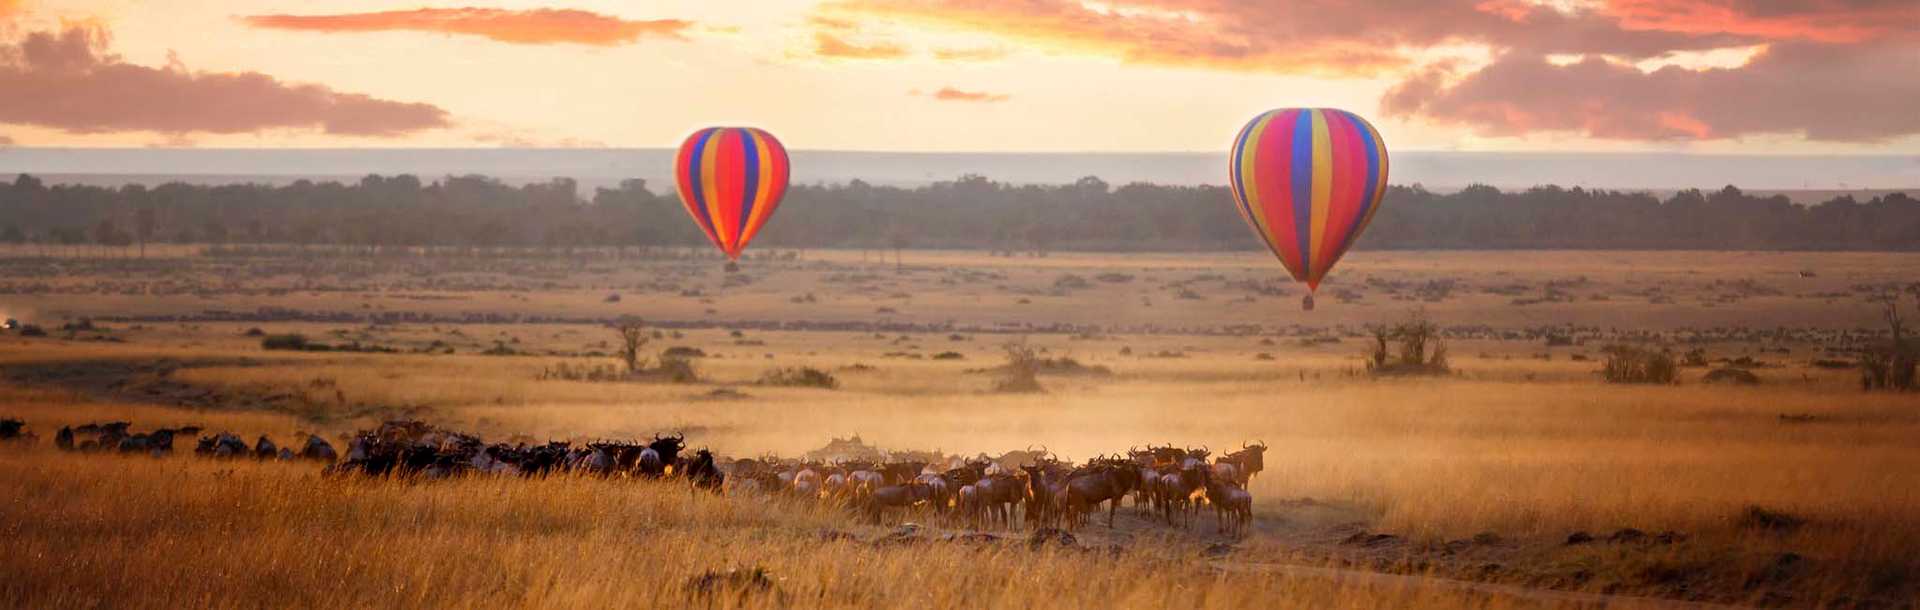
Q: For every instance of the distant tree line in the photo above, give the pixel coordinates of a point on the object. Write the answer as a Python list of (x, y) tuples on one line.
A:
[(972, 212)]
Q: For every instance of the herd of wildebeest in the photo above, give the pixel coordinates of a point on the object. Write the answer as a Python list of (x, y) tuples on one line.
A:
[(1031, 487)]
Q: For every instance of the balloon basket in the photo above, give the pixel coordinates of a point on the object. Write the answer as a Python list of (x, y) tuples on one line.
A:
[(1306, 303), (733, 267)]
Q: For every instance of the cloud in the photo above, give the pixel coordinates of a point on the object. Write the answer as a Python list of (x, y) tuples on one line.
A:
[(536, 26), (1821, 91), (970, 54), (5, 140), (68, 81), (9, 8), (827, 44), (1628, 69), (950, 94)]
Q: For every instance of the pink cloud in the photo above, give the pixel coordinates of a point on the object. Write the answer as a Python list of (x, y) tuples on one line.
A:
[(68, 81)]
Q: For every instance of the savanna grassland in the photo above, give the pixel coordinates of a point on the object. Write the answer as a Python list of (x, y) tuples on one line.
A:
[(1469, 489)]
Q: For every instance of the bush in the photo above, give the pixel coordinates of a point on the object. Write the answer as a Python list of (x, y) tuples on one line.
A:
[(1733, 376), (800, 377), (32, 331), (292, 342), (675, 369), (681, 351), (1630, 364), (1021, 375), (948, 356)]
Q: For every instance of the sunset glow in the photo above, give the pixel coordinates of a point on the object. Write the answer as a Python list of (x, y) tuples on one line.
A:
[(1814, 76)]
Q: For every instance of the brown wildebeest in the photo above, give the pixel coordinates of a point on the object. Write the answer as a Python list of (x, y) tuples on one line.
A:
[(894, 496), (1104, 480), (63, 440), (1247, 462), (1232, 506)]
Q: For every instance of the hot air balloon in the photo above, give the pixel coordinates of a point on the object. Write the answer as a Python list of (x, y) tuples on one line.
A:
[(1307, 180), (731, 180)]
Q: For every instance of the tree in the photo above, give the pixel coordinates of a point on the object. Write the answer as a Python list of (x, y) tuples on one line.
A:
[(12, 235), (144, 221), (1893, 366), (104, 232), (633, 337)]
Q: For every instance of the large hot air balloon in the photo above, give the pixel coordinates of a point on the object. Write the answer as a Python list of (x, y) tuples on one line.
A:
[(731, 180), (1308, 180)]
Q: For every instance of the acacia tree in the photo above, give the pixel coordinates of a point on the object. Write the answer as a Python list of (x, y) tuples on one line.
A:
[(633, 337)]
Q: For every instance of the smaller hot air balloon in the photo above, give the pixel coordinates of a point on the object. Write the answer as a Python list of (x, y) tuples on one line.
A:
[(731, 180), (1308, 180)]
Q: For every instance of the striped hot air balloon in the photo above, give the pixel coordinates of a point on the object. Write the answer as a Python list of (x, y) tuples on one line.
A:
[(1308, 180), (731, 180)]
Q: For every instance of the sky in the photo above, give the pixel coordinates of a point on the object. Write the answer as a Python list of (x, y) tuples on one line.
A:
[(1688, 76)]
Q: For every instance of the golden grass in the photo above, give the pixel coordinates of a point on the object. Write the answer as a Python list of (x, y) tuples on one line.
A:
[(112, 532)]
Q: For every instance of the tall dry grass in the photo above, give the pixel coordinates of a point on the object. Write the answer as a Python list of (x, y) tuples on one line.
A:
[(143, 533)]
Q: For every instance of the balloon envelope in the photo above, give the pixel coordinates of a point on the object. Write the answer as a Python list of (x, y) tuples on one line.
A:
[(731, 180), (1308, 180)]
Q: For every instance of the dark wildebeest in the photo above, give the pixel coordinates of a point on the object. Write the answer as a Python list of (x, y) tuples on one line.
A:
[(11, 429), (664, 451), (318, 450), (222, 445), (703, 472), (1103, 480), (264, 449), (158, 443), (64, 439)]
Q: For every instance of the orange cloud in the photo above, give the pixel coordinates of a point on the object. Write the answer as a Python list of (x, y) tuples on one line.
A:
[(950, 94), (68, 81), (976, 54), (5, 140), (536, 26), (8, 8), (832, 45), (1831, 21)]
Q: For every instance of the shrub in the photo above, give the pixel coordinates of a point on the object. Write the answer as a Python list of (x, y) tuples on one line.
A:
[(1731, 375), (31, 330), (675, 369), (948, 356), (681, 351), (293, 341), (1630, 364), (1021, 375), (800, 377)]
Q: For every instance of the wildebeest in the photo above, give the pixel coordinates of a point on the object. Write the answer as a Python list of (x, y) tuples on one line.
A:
[(658, 455), (1247, 462), (1232, 506), (895, 496), (12, 429), (318, 450), (63, 440), (222, 445), (158, 443), (264, 449), (1103, 480), (702, 471)]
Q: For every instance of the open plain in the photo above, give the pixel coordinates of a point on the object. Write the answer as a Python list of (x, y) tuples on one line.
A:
[(1518, 478)]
